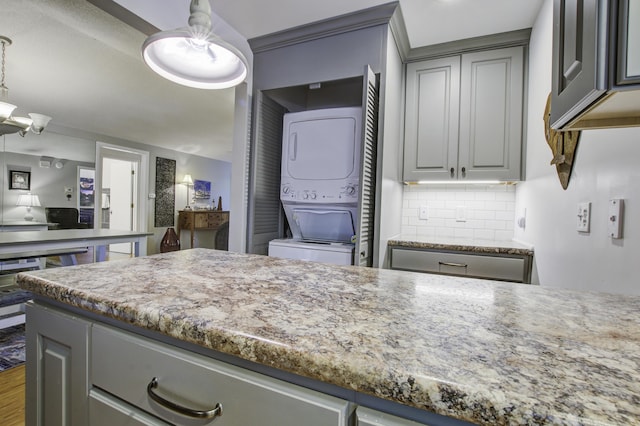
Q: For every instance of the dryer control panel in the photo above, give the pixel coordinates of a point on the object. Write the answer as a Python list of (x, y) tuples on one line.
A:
[(320, 192)]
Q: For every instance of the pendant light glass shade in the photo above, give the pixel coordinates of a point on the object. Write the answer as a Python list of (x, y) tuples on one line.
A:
[(193, 56), (40, 121), (5, 110), (8, 122)]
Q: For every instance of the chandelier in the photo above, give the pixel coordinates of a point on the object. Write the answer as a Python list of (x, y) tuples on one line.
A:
[(194, 56), (8, 122)]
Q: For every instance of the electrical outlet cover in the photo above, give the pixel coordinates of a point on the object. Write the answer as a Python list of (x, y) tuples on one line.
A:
[(584, 217), (423, 213), (614, 224)]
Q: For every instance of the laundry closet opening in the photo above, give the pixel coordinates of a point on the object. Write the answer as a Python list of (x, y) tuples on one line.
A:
[(324, 215)]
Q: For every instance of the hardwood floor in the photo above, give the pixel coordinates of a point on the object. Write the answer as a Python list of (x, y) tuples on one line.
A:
[(12, 396)]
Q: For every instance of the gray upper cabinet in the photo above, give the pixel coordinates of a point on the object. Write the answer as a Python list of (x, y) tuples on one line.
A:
[(432, 116), (464, 117), (596, 64), (629, 42)]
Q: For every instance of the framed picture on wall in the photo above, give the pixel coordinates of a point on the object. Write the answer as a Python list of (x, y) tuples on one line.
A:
[(202, 189), (19, 180)]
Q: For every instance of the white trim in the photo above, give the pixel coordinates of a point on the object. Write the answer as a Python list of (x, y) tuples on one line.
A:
[(105, 150)]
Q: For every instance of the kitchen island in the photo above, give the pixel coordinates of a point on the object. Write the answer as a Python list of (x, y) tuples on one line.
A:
[(401, 342)]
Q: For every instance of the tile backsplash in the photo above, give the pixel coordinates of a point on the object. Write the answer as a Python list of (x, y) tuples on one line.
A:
[(459, 211)]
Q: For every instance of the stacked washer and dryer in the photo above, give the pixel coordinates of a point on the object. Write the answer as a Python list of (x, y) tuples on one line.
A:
[(320, 184)]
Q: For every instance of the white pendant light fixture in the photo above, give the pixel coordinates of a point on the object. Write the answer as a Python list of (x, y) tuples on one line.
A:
[(8, 122), (194, 56)]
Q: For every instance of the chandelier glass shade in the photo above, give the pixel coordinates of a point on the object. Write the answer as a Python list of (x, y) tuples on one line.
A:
[(10, 123), (194, 56)]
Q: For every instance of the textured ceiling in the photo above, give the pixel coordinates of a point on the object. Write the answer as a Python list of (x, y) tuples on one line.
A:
[(83, 67), (427, 21)]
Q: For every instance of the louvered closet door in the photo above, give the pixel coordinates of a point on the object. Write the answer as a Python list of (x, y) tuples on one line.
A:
[(364, 242), (265, 215)]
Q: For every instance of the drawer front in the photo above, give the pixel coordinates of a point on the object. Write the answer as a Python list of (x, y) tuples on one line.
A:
[(491, 267), (124, 364), (185, 220), (369, 417), (202, 220), (105, 410)]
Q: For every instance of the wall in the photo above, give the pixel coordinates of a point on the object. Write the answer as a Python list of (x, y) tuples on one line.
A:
[(390, 126), (607, 165), (48, 183), (489, 211), (201, 168)]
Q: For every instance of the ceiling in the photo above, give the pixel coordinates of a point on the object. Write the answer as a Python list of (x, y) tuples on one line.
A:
[(83, 67)]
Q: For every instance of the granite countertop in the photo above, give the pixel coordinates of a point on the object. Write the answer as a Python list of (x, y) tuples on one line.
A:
[(461, 244), (482, 351)]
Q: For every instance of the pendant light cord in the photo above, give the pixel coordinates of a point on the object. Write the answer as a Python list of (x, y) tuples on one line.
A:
[(3, 89)]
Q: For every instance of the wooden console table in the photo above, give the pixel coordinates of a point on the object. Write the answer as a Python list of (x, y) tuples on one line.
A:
[(201, 219)]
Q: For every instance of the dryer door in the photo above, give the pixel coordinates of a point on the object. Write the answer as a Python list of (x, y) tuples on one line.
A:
[(325, 225), (321, 149)]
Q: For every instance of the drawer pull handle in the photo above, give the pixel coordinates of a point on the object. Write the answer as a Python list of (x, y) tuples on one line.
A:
[(457, 265), (199, 414)]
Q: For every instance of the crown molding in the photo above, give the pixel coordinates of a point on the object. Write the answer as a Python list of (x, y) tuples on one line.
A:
[(373, 16)]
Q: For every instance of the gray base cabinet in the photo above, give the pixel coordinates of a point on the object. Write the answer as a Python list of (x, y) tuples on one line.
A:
[(464, 117), (56, 375), (82, 373), (504, 268)]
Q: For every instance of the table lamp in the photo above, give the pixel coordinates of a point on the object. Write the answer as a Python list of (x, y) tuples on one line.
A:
[(187, 180), (28, 201)]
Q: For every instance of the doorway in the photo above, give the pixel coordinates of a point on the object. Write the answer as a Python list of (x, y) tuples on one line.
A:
[(120, 189)]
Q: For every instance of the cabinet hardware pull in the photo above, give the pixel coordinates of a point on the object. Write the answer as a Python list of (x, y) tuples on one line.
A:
[(453, 172), (464, 172), (199, 414), (458, 265)]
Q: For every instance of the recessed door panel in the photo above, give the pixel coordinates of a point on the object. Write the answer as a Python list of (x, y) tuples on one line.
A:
[(431, 126)]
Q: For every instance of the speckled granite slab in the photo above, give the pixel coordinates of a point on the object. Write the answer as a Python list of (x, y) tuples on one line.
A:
[(461, 244), (487, 352)]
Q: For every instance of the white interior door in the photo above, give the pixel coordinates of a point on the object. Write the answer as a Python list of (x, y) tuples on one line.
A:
[(119, 176), (120, 179)]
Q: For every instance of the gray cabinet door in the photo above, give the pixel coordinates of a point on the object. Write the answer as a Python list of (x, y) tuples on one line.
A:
[(579, 61), (491, 96), (629, 42), (431, 122), (368, 158), (265, 216), (56, 376)]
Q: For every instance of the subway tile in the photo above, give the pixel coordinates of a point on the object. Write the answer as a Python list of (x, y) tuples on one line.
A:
[(463, 233), (504, 215), (504, 235), (484, 234)]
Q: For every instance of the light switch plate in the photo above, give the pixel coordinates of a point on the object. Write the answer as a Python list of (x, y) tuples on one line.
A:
[(614, 224), (461, 214), (584, 217)]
